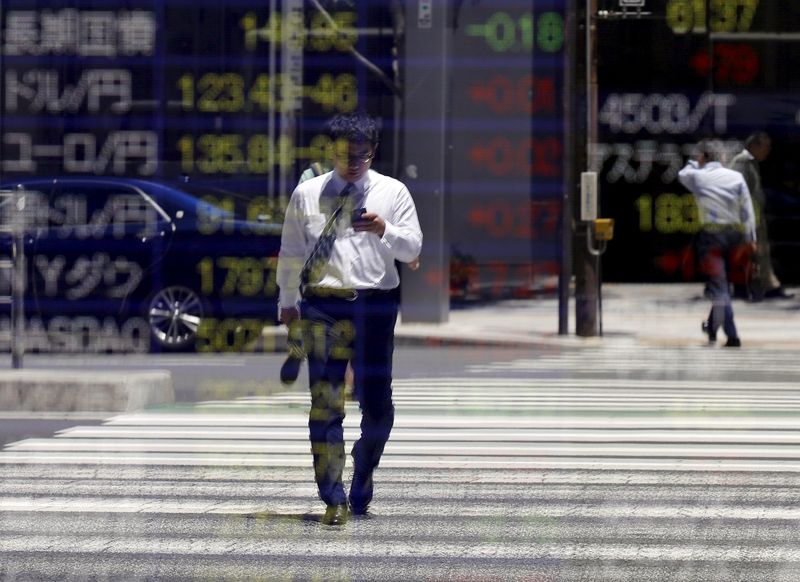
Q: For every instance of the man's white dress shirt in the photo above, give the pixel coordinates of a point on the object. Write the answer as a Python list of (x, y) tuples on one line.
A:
[(359, 260), (722, 196)]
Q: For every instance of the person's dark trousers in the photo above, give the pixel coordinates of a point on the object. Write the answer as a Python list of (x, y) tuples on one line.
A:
[(327, 361), (338, 330), (718, 249), (372, 369)]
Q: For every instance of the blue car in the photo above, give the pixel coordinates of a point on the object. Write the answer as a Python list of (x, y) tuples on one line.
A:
[(128, 265)]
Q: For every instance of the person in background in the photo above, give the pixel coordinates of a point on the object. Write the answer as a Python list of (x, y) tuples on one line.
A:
[(727, 224), (765, 284), (342, 234), (314, 170)]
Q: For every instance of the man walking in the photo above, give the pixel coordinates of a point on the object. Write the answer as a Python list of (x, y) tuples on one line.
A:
[(727, 223), (766, 285), (338, 282)]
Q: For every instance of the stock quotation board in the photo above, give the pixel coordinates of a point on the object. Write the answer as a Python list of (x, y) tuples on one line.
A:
[(169, 87), (694, 69), (507, 148), (159, 141)]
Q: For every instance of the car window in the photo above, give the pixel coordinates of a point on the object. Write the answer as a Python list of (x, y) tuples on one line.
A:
[(91, 210)]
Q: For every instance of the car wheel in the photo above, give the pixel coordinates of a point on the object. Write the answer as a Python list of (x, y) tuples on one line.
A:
[(174, 317)]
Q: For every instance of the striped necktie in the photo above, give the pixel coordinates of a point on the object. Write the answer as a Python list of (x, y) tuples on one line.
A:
[(322, 249)]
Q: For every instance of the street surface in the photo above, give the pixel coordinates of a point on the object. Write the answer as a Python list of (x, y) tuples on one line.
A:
[(218, 376), (615, 462)]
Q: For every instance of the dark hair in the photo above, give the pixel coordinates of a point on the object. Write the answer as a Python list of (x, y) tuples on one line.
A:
[(710, 149), (355, 127), (756, 139)]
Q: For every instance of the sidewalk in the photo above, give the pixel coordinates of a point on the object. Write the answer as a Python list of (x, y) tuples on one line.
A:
[(646, 314)]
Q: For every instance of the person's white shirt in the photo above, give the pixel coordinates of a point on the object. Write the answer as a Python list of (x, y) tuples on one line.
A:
[(359, 260), (722, 195)]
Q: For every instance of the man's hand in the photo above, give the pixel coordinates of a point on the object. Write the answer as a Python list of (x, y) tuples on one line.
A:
[(289, 314), (370, 222), (700, 158)]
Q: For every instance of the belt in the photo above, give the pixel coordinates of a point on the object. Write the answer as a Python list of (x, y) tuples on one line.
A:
[(344, 294), (721, 227)]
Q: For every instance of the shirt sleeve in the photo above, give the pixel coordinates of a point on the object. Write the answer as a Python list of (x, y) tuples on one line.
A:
[(403, 236), (687, 175), (292, 254)]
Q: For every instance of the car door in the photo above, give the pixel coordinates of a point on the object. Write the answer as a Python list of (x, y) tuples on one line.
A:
[(95, 265)]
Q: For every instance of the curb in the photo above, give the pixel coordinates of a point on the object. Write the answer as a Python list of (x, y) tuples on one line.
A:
[(71, 391)]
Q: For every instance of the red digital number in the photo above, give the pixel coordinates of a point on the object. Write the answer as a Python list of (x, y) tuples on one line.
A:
[(528, 158), (527, 95), (733, 63), (527, 220)]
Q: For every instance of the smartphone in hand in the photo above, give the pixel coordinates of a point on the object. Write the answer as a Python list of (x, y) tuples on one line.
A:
[(356, 217)]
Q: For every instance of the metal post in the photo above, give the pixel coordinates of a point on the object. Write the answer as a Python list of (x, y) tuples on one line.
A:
[(570, 164), (291, 89), (587, 284), (272, 69), (18, 278)]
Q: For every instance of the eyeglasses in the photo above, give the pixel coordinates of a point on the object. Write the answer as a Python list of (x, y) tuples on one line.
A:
[(362, 159)]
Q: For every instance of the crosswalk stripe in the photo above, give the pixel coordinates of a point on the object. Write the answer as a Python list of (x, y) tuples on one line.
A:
[(486, 508), (591, 449), (416, 461), (272, 418), (701, 362), (566, 434), (404, 550)]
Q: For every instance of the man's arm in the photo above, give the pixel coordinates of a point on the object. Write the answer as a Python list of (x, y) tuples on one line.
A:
[(402, 234), (290, 259), (688, 174)]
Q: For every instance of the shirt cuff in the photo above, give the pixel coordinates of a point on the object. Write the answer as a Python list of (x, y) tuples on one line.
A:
[(287, 299), (389, 235)]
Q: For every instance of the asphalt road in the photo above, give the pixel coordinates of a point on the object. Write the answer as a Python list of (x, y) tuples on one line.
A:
[(198, 377), (602, 464)]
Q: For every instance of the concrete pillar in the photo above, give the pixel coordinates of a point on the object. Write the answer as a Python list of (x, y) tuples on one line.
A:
[(426, 291)]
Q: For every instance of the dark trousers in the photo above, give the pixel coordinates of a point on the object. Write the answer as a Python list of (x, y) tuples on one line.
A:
[(360, 331), (721, 252)]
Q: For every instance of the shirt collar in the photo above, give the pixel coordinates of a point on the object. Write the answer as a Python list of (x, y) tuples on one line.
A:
[(360, 185), (746, 153), (712, 165)]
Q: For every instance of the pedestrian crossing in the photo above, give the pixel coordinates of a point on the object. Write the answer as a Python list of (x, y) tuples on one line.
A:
[(531, 476), (699, 362)]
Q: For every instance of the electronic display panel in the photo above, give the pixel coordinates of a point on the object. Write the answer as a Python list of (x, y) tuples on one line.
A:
[(693, 69), (170, 88), (507, 147), (204, 112), (218, 107)]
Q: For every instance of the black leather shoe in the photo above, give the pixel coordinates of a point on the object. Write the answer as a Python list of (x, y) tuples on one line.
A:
[(733, 342), (290, 370), (335, 515), (360, 494), (291, 367), (706, 327), (740, 292), (360, 511), (778, 293)]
